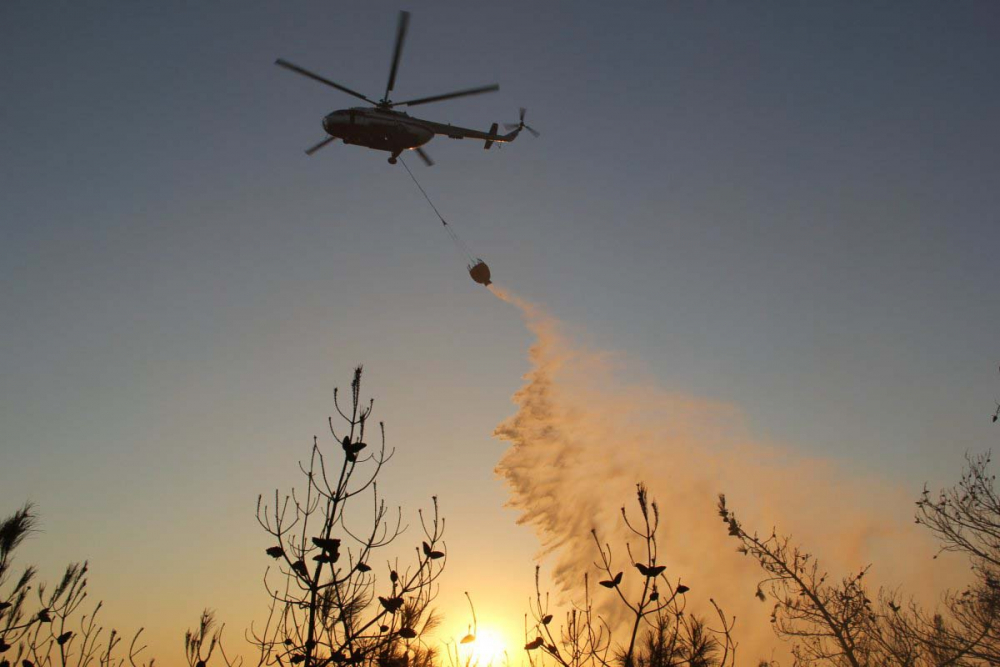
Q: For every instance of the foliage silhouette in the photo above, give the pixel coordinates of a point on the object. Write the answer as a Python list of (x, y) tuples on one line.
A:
[(205, 638), (330, 607), (659, 632), (332, 604), (835, 622), (49, 628)]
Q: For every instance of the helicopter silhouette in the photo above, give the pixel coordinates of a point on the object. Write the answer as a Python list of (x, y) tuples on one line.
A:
[(384, 128)]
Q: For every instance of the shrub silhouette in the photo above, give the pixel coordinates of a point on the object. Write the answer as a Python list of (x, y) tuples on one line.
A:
[(332, 605), (838, 622), (659, 631), (49, 626)]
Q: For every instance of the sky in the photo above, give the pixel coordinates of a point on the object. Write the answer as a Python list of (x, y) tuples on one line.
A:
[(787, 208)]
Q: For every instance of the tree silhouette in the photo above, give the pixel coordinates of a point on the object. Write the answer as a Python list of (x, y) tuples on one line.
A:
[(837, 622), (329, 607), (826, 619), (660, 632)]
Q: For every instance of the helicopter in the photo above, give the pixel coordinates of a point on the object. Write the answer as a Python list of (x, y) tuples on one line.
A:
[(386, 129)]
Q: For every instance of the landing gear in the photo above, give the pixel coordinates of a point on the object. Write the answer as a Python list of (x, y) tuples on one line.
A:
[(392, 160)]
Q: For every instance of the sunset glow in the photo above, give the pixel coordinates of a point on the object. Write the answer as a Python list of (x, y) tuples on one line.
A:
[(488, 648), (476, 335)]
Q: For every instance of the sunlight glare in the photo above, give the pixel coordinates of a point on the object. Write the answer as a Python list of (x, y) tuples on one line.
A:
[(488, 649)]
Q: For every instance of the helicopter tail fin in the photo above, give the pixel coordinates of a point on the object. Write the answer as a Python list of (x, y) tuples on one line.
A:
[(489, 142)]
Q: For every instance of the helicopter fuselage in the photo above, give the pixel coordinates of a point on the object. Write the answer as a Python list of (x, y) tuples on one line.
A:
[(396, 131), (383, 130)]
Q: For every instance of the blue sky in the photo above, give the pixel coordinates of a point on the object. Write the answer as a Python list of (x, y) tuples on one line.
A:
[(789, 207)]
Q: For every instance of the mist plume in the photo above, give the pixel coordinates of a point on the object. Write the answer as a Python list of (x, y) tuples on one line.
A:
[(586, 431)]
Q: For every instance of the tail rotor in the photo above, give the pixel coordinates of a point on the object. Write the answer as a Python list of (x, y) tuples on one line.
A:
[(521, 126)]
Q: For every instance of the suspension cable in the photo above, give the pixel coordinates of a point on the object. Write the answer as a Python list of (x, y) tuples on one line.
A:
[(447, 228)]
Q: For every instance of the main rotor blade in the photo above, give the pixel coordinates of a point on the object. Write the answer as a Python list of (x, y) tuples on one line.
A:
[(310, 151), (448, 96), (535, 133), (404, 22), (425, 157), (316, 77)]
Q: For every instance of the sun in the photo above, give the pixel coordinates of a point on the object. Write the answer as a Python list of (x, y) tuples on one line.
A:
[(488, 648)]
